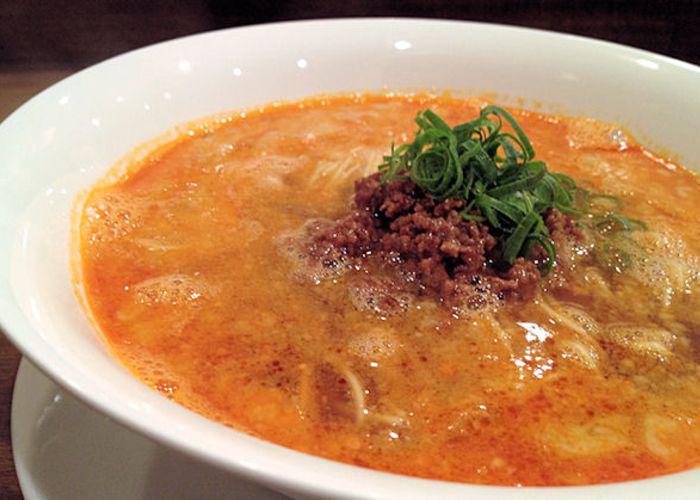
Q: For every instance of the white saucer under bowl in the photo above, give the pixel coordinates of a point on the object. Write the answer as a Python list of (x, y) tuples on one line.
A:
[(65, 450)]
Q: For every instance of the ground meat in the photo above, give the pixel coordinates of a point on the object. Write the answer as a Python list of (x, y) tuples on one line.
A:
[(389, 200), (561, 226), (564, 232), (520, 281), (431, 242), (353, 235)]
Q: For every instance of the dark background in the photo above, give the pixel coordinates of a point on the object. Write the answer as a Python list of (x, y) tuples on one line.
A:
[(71, 34)]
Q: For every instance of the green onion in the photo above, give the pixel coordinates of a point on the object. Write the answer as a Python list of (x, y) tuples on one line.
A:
[(495, 173)]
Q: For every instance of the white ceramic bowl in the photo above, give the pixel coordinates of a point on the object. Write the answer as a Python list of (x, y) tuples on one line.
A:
[(67, 137)]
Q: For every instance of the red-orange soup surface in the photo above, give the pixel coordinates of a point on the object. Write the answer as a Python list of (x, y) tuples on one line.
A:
[(190, 269)]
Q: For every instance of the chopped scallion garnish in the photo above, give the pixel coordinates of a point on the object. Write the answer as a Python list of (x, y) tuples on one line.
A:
[(493, 170)]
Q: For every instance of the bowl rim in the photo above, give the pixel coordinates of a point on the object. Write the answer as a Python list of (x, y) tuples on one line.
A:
[(360, 481), (359, 20)]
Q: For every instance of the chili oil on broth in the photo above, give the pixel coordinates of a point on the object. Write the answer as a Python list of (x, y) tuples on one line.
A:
[(192, 269)]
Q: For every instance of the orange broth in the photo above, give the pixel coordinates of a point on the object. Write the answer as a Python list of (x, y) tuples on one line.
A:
[(190, 270)]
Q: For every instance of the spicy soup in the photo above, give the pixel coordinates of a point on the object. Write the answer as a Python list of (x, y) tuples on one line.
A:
[(195, 266)]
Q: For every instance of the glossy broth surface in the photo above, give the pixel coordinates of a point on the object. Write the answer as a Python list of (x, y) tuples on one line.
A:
[(192, 269)]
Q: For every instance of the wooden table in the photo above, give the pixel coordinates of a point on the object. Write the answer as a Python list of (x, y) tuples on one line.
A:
[(15, 88)]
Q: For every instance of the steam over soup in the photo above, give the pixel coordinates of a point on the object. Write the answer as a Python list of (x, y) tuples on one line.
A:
[(468, 311)]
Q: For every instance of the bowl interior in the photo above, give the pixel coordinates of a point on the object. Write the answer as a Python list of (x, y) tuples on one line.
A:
[(66, 138)]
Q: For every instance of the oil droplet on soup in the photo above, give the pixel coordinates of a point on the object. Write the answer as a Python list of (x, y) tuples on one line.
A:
[(194, 267)]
